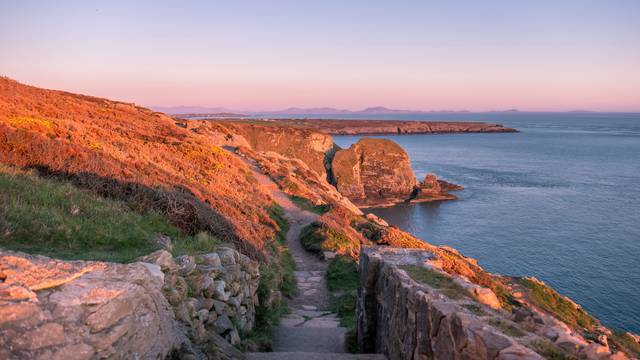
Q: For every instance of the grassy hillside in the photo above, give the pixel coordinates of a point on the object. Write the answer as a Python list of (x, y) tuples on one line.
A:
[(57, 219), (125, 152)]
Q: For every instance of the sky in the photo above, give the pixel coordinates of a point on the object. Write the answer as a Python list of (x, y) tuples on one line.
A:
[(536, 55)]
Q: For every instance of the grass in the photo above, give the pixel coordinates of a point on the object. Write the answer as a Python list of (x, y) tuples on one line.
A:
[(369, 230), (318, 237), (342, 276), (306, 204), (202, 243), (506, 328), (548, 350), (436, 280), (475, 309), (550, 301), (277, 275), (627, 342), (55, 218)]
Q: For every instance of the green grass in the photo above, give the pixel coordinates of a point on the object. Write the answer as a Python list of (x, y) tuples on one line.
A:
[(549, 350), (506, 328), (54, 218), (475, 309), (552, 302), (318, 237), (625, 340), (202, 243), (277, 274), (342, 274), (306, 204), (436, 280)]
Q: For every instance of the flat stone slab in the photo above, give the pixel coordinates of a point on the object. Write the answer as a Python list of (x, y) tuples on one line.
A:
[(309, 339), (312, 356)]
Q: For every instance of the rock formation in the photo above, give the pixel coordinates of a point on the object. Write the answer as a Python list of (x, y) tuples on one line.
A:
[(377, 172), (310, 146)]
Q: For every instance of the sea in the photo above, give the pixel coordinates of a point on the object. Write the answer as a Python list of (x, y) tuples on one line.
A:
[(559, 200)]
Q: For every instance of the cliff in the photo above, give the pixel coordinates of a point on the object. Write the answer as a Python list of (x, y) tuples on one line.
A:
[(202, 178), (377, 172), (388, 127)]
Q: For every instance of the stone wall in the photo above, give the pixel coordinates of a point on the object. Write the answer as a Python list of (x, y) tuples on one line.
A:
[(213, 295), (189, 307), (404, 319), (51, 309)]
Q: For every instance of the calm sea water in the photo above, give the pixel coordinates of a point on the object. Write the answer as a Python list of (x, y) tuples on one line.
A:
[(560, 201)]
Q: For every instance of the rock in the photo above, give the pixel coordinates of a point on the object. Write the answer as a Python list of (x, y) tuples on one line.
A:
[(212, 259), (164, 241), (432, 189), (88, 309), (222, 324), (373, 172), (186, 265), (162, 258), (228, 256), (518, 352), (377, 220)]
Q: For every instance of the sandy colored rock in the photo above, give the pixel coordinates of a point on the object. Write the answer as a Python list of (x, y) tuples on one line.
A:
[(373, 171)]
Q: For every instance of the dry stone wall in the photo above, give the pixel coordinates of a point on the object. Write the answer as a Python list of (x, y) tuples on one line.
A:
[(404, 319), (189, 307)]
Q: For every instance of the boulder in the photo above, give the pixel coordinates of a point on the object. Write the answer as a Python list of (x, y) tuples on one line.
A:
[(373, 172), (84, 309)]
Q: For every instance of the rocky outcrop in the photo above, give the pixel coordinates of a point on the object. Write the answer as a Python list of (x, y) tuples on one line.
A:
[(433, 189), (51, 309), (372, 171), (377, 172), (312, 147)]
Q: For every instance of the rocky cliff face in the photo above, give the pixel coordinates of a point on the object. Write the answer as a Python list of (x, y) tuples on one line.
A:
[(377, 172), (373, 171), (293, 142)]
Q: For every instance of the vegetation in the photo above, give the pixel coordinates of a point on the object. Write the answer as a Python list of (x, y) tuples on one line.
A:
[(506, 327), (550, 301), (624, 340), (306, 204), (276, 275), (474, 309), (342, 276), (318, 237), (436, 280), (548, 350), (369, 230), (55, 218)]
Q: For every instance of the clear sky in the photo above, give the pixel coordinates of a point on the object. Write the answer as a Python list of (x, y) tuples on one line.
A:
[(266, 55)]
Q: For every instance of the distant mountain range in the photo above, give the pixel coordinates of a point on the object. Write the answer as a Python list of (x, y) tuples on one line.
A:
[(293, 111), (375, 110)]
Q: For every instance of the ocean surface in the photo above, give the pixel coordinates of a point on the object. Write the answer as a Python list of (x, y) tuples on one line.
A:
[(560, 200)]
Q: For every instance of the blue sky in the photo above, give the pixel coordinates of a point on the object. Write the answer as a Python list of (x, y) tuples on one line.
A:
[(477, 55)]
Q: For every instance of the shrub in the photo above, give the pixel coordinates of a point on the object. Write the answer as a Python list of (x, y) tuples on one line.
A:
[(306, 204), (436, 280), (318, 237), (550, 301)]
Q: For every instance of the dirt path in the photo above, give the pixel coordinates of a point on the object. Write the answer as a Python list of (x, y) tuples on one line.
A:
[(310, 326)]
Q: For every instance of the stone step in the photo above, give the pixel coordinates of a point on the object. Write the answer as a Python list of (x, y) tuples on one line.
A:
[(312, 356), (309, 339)]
